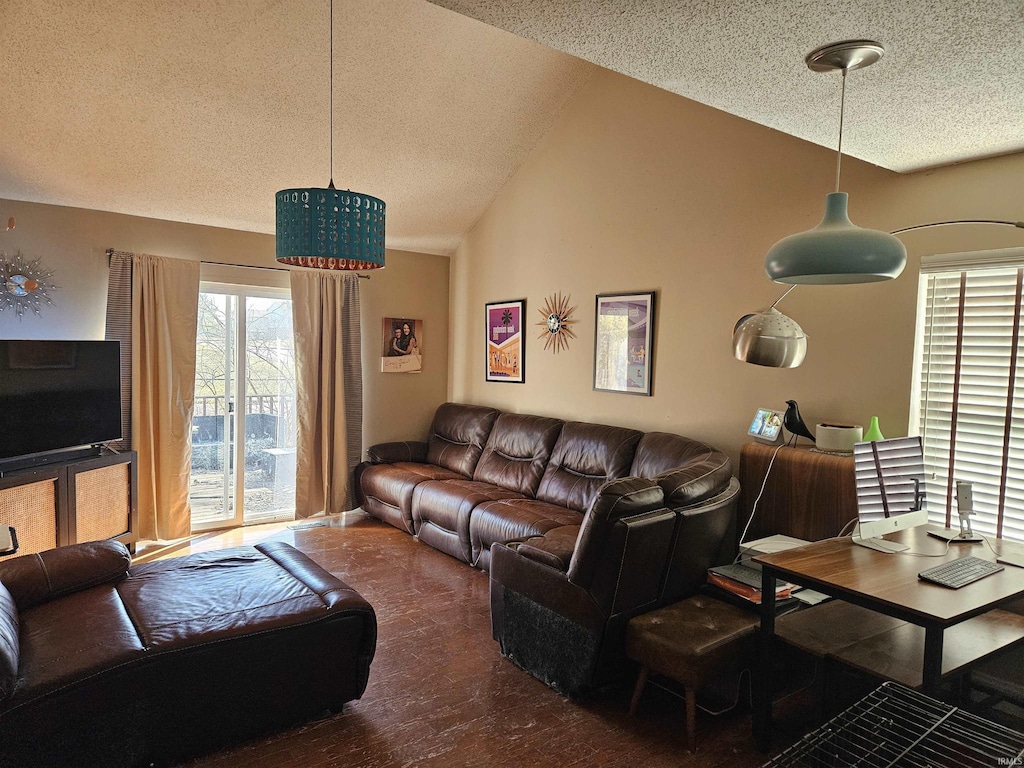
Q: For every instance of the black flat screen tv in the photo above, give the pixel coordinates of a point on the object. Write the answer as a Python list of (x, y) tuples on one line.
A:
[(56, 395)]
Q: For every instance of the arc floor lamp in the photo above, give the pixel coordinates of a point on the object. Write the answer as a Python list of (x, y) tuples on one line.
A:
[(836, 251)]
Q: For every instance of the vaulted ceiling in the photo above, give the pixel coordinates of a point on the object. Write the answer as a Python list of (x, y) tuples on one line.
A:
[(199, 110), (950, 87)]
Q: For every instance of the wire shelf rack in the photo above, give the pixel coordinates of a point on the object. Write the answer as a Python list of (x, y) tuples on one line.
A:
[(895, 727)]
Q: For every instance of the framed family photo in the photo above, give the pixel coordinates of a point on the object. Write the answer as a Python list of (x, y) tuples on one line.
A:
[(402, 345), (624, 343), (506, 354)]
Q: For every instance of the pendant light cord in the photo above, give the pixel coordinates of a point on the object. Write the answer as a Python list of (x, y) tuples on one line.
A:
[(331, 186), (842, 110)]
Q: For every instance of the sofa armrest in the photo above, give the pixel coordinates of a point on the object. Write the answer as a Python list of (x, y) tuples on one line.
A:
[(388, 453), (572, 636), (696, 481), (38, 578), (705, 536), (554, 548)]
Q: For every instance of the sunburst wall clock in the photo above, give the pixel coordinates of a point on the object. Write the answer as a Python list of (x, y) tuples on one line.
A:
[(24, 285), (557, 316)]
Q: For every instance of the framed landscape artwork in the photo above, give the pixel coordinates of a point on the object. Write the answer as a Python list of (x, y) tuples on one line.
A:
[(506, 355), (402, 347), (624, 343)]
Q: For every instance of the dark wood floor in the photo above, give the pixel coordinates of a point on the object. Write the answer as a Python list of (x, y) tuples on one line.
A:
[(440, 693)]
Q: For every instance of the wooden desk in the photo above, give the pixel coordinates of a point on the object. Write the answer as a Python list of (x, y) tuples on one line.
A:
[(888, 584), (808, 495)]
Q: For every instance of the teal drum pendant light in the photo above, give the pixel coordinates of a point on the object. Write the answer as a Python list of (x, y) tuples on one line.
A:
[(330, 228), (837, 251)]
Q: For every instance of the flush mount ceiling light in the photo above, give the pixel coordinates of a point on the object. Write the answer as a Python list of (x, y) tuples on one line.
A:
[(330, 228), (837, 251)]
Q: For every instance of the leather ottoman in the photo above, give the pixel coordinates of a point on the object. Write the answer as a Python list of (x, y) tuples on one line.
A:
[(690, 642)]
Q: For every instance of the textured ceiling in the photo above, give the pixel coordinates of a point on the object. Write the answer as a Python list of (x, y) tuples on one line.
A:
[(950, 88), (200, 111)]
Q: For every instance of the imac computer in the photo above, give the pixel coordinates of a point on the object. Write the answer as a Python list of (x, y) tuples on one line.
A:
[(890, 490)]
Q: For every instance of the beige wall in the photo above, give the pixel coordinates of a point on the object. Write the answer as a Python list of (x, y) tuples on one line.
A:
[(638, 189), (400, 406), (73, 243)]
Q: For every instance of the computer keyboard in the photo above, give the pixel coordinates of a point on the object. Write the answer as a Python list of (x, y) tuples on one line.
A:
[(957, 573)]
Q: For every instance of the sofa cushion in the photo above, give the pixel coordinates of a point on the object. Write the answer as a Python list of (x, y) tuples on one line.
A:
[(387, 489), (458, 435), (65, 641), (441, 511), (510, 520), (10, 648), (221, 595), (687, 470), (585, 457), (517, 452), (37, 578)]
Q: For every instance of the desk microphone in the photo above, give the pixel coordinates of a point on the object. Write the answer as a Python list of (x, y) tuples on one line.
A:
[(964, 510)]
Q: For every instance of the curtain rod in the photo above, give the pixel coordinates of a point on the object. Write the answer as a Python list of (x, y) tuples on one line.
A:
[(110, 252)]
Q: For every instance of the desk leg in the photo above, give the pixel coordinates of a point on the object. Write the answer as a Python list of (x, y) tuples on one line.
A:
[(762, 714), (932, 673)]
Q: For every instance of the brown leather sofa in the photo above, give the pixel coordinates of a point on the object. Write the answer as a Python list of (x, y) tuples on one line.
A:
[(582, 526), (107, 664)]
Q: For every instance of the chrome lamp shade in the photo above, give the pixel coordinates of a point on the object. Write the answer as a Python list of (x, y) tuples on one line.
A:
[(836, 251), (330, 229), (769, 338)]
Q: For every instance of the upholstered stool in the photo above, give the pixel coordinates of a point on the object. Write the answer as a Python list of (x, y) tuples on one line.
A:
[(690, 642)]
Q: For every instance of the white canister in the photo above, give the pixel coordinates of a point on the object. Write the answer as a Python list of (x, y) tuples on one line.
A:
[(839, 438)]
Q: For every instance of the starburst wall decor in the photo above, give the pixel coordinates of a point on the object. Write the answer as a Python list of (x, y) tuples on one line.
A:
[(557, 316), (24, 285)]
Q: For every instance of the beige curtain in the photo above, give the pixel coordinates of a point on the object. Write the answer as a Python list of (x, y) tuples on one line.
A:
[(119, 329), (328, 382), (165, 300)]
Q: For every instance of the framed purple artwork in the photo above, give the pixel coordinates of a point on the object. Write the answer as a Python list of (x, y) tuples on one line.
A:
[(624, 343), (506, 355)]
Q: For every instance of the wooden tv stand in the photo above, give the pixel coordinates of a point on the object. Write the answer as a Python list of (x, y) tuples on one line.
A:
[(72, 500)]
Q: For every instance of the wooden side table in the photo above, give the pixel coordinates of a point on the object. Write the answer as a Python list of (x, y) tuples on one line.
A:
[(809, 495)]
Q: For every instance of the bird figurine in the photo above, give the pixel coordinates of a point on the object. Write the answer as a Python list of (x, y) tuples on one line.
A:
[(794, 424)]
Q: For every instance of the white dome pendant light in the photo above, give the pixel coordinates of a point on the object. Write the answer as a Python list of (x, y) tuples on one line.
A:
[(838, 251)]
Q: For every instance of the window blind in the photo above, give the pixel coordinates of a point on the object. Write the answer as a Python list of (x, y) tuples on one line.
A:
[(969, 387)]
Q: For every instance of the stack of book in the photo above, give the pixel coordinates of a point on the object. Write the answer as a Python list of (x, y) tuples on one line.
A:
[(745, 582)]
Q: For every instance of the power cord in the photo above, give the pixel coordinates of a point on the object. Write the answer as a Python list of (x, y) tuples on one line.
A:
[(753, 508), (744, 673), (988, 543), (943, 553), (851, 525)]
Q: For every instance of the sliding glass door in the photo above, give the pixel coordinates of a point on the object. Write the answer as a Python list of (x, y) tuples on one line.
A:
[(243, 426)]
